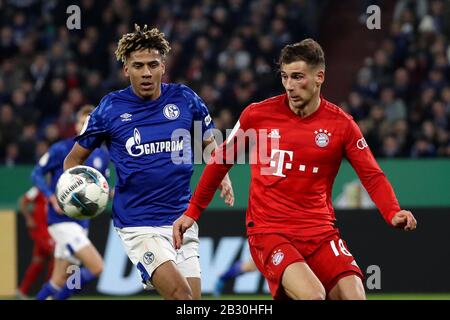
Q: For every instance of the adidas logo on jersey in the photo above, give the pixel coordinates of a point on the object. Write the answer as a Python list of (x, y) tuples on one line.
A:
[(275, 134)]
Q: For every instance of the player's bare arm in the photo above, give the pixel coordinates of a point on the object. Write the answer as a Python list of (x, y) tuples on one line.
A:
[(55, 204), (226, 186), (405, 220), (76, 156)]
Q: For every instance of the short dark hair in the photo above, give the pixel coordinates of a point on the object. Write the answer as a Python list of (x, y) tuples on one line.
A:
[(141, 38), (306, 50)]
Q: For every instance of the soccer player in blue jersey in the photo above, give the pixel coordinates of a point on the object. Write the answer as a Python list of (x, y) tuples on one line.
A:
[(72, 245), (141, 125)]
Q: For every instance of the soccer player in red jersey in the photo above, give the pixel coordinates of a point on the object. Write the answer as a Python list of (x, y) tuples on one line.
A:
[(36, 221), (290, 219)]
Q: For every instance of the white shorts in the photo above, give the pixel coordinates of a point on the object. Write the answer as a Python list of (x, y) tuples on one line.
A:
[(149, 247), (69, 238)]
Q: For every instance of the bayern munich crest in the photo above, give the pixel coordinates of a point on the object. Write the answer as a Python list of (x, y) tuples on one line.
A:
[(277, 257), (322, 137)]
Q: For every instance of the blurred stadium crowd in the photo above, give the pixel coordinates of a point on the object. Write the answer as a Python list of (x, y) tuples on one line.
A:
[(401, 96), (226, 51)]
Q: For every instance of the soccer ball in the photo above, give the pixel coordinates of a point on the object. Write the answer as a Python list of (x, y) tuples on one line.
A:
[(82, 192)]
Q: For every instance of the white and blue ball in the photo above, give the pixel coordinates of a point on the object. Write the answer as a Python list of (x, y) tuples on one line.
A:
[(82, 192)]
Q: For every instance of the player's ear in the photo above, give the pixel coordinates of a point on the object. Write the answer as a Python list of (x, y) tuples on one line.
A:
[(163, 66), (125, 69), (320, 76)]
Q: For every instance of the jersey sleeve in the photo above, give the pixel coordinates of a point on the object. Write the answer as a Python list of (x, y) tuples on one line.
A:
[(372, 177), (199, 109), (95, 129), (218, 166), (47, 163), (244, 118)]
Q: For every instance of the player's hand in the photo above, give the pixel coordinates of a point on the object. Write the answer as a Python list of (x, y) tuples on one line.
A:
[(404, 219), (179, 228), (55, 204), (227, 191)]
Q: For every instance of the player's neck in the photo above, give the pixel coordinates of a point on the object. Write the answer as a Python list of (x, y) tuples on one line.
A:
[(153, 97), (308, 109)]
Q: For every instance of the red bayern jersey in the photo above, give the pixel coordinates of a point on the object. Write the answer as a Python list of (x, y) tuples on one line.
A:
[(297, 160), (39, 201)]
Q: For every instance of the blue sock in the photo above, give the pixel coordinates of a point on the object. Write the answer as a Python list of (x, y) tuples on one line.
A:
[(85, 277), (48, 289), (233, 271)]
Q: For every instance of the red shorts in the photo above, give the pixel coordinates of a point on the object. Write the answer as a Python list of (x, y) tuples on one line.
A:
[(327, 256), (43, 244)]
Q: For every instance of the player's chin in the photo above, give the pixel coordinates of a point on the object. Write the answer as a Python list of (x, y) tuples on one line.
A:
[(146, 94), (298, 103)]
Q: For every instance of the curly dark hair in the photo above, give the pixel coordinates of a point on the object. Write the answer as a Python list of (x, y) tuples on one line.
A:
[(141, 38)]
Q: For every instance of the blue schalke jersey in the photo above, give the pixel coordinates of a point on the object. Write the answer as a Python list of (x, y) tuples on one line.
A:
[(53, 163), (150, 146)]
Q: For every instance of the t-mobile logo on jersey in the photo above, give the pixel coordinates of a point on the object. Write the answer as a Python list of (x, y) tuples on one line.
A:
[(277, 161), (280, 160)]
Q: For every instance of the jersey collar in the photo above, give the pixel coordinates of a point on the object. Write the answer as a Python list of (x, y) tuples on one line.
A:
[(285, 108)]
